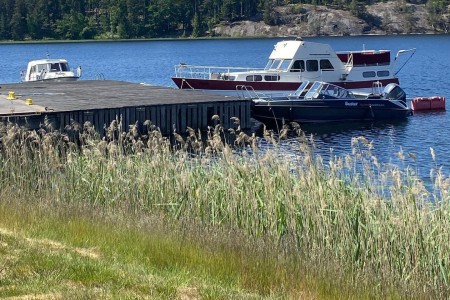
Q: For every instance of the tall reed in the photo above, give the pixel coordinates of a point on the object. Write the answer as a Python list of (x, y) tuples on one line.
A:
[(375, 221)]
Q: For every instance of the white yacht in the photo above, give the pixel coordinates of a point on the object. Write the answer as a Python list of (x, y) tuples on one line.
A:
[(292, 62)]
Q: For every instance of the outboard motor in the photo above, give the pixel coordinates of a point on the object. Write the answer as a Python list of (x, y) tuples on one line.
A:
[(394, 91)]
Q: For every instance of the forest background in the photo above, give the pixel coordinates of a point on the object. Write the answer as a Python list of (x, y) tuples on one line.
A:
[(126, 19)]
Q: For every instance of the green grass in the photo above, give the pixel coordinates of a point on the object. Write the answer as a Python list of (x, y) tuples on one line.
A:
[(134, 217), (72, 251)]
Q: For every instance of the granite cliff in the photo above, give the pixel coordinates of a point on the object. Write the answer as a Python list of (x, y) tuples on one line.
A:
[(312, 20)]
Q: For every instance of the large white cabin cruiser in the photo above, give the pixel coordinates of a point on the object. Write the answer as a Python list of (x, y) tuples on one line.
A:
[(292, 62), (50, 70)]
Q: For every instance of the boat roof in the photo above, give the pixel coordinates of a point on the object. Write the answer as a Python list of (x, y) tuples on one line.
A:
[(47, 61), (299, 49)]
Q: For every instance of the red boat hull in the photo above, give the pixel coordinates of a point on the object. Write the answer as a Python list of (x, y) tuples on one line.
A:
[(229, 85)]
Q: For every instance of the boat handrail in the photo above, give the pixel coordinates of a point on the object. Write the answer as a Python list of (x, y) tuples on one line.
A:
[(377, 88), (348, 65), (208, 72), (243, 90)]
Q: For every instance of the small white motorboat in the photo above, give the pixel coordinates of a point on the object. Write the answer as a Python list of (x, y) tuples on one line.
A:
[(50, 70)]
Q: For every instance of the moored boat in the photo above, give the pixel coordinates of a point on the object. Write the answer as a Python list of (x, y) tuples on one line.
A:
[(292, 62), (49, 70), (326, 102)]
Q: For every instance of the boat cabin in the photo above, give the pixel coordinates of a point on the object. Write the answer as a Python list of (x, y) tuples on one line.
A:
[(301, 56), (294, 59)]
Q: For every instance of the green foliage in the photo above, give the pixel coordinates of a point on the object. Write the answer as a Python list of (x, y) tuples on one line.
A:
[(68, 19), (438, 14)]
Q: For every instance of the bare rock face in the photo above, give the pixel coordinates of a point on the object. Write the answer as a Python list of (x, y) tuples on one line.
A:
[(392, 17), (398, 17)]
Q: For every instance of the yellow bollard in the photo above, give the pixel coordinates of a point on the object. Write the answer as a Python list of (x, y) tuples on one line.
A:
[(28, 101), (11, 95)]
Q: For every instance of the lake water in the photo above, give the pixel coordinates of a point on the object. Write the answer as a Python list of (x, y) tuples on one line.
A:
[(427, 73)]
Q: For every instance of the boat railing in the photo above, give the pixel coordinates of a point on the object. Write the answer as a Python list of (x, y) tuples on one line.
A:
[(100, 76), (208, 72), (248, 92), (349, 64), (377, 88)]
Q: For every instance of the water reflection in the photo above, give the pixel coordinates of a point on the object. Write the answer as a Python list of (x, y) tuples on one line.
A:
[(390, 143)]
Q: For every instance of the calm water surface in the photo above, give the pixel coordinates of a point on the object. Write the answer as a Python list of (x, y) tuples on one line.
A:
[(427, 73)]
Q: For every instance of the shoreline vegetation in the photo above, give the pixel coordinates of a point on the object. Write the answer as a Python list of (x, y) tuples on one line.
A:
[(26, 20), (137, 215), (49, 41)]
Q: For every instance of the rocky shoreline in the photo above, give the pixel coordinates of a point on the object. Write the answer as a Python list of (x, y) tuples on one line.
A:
[(381, 19)]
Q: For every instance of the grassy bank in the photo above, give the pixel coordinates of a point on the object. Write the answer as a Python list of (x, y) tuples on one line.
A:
[(131, 216)]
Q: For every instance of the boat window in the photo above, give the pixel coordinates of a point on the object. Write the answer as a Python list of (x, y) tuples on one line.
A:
[(285, 64), (298, 66), (326, 65), (228, 77), (383, 73), (269, 64), (275, 64), (54, 67), (271, 78), (368, 74), (301, 91), (330, 91), (312, 66), (64, 67), (41, 67), (254, 78), (313, 91)]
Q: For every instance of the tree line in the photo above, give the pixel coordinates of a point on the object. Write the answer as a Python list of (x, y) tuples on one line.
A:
[(109, 19)]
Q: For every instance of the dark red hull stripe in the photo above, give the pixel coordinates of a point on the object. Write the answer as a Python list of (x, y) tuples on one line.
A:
[(208, 84)]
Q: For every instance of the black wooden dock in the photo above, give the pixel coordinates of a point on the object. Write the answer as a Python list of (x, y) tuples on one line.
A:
[(102, 101)]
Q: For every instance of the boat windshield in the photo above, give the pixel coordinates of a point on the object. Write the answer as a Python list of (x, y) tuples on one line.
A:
[(278, 64), (275, 64), (269, 64), (55, 67), (58, 67), (285, 64), (301, 91), (324, 90), (313, 91), (41, 67), (65, 67)]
